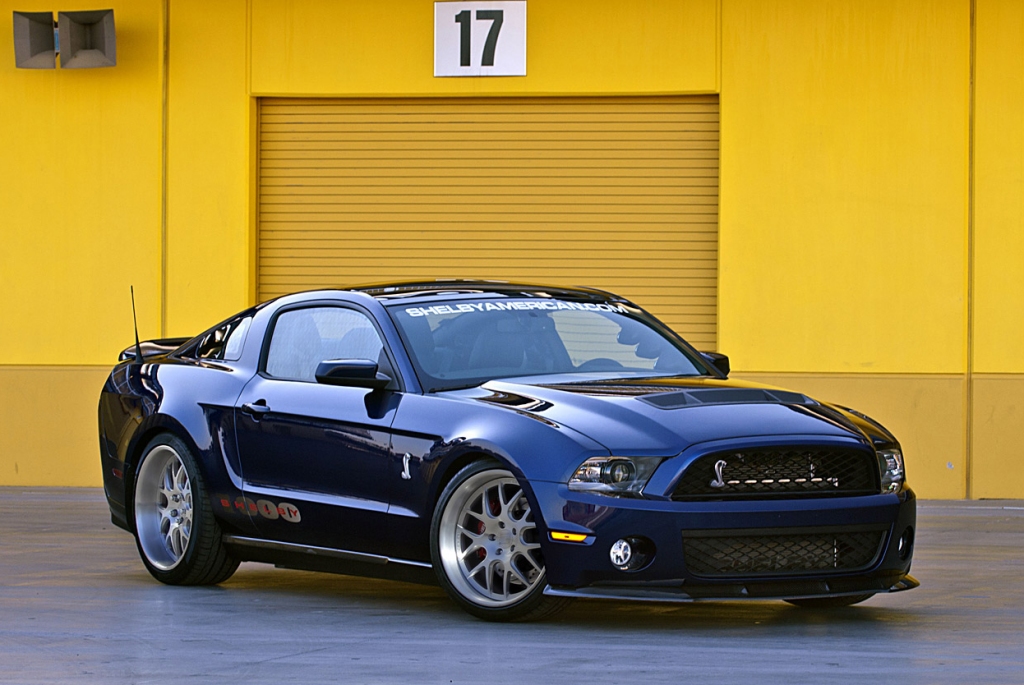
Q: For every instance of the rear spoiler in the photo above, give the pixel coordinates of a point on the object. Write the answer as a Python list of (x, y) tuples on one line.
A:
[(152, 348)]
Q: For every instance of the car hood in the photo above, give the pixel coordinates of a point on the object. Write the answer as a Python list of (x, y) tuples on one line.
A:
[(663, 416)]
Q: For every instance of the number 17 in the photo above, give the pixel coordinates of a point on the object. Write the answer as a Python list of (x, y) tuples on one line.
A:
[(464, 20)]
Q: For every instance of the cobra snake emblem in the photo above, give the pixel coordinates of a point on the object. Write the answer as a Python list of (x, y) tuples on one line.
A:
[(719, 467)]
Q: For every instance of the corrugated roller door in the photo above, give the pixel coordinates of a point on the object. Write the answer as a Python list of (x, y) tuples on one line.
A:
[(614, 193)]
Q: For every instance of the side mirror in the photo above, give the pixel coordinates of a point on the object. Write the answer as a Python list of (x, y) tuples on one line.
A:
[(356, 373), (719, 361)]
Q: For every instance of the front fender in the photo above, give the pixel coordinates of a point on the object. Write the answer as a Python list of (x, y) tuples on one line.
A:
[(437, 435)]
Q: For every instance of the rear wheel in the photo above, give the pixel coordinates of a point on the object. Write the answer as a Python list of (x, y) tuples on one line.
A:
[(485, 547), (177, 536), (829, 602)]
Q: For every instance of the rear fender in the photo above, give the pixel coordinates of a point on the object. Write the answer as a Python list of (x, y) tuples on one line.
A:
[(223, 484)]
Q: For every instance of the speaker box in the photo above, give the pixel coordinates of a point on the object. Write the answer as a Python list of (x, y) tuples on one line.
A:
[(87, 39), (33, 40)]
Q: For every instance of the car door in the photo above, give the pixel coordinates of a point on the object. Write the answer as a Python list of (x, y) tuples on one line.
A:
[(314, 456)]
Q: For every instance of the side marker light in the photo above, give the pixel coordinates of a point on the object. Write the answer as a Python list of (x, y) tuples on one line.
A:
[(568, 537)]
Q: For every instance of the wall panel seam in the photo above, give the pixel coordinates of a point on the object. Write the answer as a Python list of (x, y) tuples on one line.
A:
[(165, 77), (969, 295)]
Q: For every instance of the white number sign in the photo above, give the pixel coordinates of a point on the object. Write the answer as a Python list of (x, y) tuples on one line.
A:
[(480, 38)]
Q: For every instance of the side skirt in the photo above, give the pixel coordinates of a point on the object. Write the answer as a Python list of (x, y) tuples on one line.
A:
[(329, 560)]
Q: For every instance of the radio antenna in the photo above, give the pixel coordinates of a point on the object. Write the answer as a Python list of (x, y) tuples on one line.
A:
[(135, 321)]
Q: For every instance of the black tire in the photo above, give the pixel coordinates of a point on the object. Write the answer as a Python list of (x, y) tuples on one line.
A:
[(178, 537), (505, 551), (829, 602)]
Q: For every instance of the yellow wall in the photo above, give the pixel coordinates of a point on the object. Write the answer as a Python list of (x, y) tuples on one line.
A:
[(999, 189), (575, 47), (81, 191), (998, 293), (844, 185), (80, 196), (844, 198), (844, 229), (208, 165), (79, 222)]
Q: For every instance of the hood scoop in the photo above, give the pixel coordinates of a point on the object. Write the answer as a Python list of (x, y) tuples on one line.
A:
[(702, 397)]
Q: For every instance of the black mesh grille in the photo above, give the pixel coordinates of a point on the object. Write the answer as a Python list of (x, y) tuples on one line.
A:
[(760, 555), (780, 471)]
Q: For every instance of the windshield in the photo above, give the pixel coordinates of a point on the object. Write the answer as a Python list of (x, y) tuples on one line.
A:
[(465, 343)]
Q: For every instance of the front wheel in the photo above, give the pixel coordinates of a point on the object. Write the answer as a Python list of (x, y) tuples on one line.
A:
[(178, 538), (485, 547)]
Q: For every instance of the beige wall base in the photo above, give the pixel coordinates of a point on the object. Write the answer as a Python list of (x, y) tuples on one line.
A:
[(997, 436), (48, 429), (925, 412)]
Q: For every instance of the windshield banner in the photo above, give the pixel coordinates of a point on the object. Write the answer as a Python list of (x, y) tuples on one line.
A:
[(514, 305)]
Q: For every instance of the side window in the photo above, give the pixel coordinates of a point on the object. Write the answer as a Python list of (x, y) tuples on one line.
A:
[(303, 338), (224, 342)]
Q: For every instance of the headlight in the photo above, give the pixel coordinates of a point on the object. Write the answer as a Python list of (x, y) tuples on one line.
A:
[(890, 463), (614, 475)]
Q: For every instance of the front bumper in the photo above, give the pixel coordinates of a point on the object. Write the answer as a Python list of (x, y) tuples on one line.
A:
[(585, 568)]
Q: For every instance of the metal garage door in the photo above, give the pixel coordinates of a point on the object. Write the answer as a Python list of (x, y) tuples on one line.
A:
[(615, 193)]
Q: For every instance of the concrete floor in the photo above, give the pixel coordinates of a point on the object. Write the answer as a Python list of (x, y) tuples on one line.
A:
[(78, 606)]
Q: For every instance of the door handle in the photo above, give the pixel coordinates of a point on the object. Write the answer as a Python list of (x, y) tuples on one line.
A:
[(256, 408)]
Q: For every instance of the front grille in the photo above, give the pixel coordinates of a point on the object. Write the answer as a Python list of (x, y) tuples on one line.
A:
[(761, 473), (781, 555)]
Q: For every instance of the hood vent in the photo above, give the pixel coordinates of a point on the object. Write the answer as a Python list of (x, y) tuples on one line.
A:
[(699, 397)]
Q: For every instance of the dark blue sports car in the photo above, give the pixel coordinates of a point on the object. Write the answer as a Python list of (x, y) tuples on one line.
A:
[(521, 445)]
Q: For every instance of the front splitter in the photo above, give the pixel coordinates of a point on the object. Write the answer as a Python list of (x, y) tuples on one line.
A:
[(749, 591)]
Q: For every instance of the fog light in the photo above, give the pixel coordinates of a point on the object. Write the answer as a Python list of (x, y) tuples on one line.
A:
[(906, 543), (621, 554), (632, 553)]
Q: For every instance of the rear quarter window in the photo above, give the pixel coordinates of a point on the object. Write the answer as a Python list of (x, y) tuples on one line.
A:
[(223, 343)]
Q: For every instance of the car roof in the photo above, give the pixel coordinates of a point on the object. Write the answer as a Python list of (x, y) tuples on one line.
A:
[(462, 286)]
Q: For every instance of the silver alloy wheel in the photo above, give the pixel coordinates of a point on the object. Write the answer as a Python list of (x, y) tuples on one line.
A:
[(163, 507), (488, 541)]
